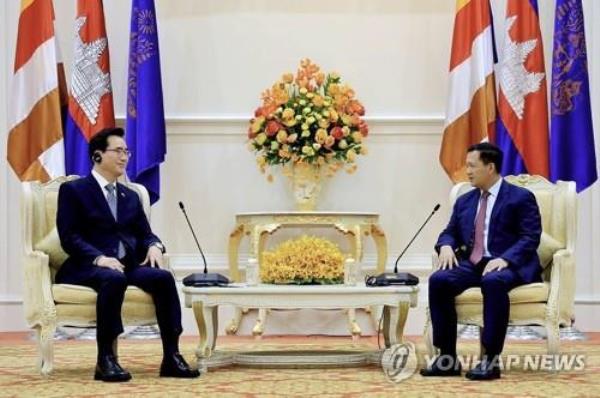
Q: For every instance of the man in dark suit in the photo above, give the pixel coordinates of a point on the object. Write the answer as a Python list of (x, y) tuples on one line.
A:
[(491, 242), (103, 228)]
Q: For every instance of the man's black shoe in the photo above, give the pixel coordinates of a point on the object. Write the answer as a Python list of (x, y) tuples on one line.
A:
[(443, 365), (176, 366), (485, 370), (108, 369)]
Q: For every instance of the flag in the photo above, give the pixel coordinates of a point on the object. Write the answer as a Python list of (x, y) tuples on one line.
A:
[(90, 100), (145, 114), (471, 108), (522, 126), (35, 141), (572, 151)]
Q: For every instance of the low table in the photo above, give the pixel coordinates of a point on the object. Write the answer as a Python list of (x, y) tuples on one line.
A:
[(396, 300), (260, 225)]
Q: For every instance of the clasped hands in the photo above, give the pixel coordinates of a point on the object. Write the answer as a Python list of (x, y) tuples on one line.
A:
[(447, 260), (154, 258)]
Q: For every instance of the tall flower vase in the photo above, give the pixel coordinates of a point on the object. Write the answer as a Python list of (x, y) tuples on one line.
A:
[(306, 185)]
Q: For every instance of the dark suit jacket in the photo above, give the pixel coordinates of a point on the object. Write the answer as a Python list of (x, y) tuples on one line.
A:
[(87, 228), (514, 231)]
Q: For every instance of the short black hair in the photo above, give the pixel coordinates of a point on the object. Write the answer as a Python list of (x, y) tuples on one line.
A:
[(99, 141), (488, 153)]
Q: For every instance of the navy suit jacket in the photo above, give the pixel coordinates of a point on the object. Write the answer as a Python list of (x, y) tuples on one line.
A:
[(87, 228), (514, 231)]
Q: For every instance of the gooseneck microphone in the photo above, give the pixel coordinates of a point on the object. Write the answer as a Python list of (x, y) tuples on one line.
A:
[(194, 235), (205, 278), (400, 278), (436, 208)]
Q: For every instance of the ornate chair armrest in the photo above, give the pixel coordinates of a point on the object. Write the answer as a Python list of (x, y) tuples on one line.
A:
[(562, 282), (37, 294)]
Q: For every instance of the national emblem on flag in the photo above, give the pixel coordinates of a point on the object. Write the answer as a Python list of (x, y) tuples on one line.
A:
[(90, 100), (522, 126), (572, 150)]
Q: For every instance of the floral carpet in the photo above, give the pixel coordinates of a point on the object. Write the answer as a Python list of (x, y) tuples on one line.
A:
[(74, 362)]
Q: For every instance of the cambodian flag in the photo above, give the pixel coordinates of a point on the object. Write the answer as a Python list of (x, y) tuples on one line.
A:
[(145, 114), (573, 157), (90, 100), (522, 126)]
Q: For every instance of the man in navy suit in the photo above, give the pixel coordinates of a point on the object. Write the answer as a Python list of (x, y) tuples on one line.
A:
[(490, 242), (103, 228)]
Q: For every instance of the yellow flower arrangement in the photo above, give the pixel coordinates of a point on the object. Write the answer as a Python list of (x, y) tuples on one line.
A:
[(305, 260), (310, 118)]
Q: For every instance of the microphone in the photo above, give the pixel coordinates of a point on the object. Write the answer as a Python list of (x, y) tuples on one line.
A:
[(205, 278), (400, 278), (436, 208)]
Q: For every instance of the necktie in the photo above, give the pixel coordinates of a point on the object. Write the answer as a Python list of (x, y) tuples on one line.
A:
[(112, 203), (477, 252)]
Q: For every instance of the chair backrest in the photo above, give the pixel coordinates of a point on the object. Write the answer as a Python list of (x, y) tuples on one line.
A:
[(557, 203), (39, 205)]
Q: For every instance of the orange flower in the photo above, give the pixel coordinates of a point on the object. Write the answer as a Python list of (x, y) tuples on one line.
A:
[(329, 141), (355, 107), (272, 128), (337, 133), (363, 128)]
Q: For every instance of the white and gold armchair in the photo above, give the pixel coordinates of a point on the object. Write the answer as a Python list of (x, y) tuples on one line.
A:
[(548, 303), (47, 304)]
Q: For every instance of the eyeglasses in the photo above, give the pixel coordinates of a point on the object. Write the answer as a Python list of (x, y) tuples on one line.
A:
[(121, 151)]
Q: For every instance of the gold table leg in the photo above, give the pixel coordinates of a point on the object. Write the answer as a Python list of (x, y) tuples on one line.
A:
[(259, 327), (381, 244), (206, 319), (234, 324), (394, 320), (380, 241), (235, 237)]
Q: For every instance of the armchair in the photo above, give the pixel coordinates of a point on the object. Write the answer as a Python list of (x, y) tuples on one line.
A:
[(548, 303), (47, 304)]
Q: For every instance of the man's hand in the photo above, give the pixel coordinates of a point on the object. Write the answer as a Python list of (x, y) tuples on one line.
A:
[(496, 264), (110, 262), (154, 257), (447, 259)]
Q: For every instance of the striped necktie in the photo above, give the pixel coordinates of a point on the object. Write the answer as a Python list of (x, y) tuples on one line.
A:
[(112, 203)]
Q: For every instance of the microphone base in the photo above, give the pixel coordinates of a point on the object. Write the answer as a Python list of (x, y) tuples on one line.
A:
[(201, 279), (393, 278)]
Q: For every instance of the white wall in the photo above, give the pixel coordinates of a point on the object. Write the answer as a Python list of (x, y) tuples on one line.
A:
[(218, 56)]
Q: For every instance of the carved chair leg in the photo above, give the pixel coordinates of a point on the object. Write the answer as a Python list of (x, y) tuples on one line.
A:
[(45, 338), (552, 329)]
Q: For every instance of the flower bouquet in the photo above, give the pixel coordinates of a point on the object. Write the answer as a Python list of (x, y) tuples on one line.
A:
[(311, 118), (305, 260)]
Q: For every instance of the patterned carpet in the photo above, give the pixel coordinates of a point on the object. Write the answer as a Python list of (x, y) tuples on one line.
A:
[(74, 361)]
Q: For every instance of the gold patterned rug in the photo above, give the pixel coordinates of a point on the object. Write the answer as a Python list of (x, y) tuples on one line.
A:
[(74, 362)]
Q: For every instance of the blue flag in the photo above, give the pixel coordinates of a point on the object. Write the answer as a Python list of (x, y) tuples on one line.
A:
[(572, 151), (145, 136)]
